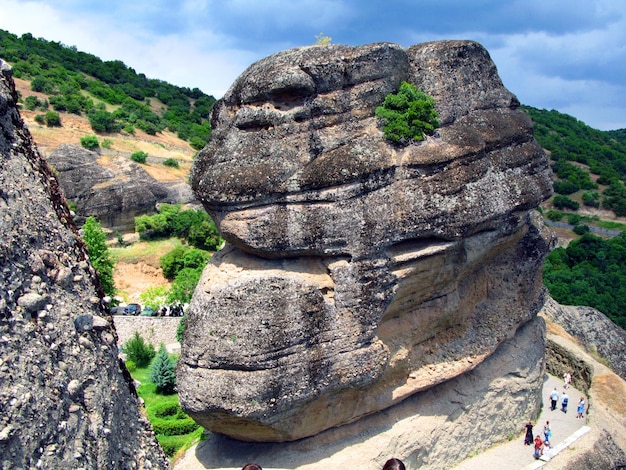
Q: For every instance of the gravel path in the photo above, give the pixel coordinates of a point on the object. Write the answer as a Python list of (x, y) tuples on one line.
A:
[(514, 454)]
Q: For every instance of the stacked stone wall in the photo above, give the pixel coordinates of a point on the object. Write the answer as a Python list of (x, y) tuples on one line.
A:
[(155, 330)]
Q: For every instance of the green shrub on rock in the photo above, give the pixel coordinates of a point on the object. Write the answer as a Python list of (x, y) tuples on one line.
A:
[(408, 115)]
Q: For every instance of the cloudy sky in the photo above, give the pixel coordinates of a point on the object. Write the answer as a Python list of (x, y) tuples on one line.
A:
[(568, 55)]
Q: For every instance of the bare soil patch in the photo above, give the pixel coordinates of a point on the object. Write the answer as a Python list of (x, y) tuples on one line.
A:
[(132, 279)]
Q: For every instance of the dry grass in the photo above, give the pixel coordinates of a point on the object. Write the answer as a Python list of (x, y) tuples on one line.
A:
[(611, 391), (163, 145)]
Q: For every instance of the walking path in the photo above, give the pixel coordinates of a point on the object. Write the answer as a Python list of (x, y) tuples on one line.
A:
[(566, 429)]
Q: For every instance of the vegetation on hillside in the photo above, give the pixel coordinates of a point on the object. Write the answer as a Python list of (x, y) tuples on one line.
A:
[(81, 83), (592, 272), (95, 239), (590, 169), (174, 429), (589, 164)]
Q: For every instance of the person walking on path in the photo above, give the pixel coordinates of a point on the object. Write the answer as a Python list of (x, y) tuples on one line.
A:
[(528, 439), (564, 402), (581, 408), (567, 379), (554, 399), (547, 433)]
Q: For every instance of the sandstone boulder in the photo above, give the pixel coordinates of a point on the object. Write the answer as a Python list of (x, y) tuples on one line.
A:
[(66, 400), (113, 187), (358, 273)]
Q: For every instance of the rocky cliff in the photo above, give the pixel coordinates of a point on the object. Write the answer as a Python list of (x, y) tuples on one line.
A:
[(65, 400), (594, 330), (358, 273), (113, 187)]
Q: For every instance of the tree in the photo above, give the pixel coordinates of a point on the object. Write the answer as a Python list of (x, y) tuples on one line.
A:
[(408, 115), (52, 119), (163, 372), (95, 238), (138, 351), (184, 285)]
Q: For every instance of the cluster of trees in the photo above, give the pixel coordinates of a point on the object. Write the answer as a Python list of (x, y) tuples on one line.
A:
[(590, 271), (184, 264), (194, 226), (70, 78), (577, 151)]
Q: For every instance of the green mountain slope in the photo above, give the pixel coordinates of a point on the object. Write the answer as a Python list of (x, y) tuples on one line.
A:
[(111, 95)]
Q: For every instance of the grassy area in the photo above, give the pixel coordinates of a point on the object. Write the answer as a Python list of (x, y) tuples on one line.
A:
[(147, 251), (166, 417)]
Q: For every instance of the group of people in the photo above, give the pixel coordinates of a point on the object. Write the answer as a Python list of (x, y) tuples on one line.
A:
[(554, 398), (391, 464), (541, 444)]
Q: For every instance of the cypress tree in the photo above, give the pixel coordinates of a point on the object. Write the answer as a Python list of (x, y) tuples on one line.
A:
[(163, 373)]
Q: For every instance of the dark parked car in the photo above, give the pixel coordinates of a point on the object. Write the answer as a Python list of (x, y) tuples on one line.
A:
[(132, 309)]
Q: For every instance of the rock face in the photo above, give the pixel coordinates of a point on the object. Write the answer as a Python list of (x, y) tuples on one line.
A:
[(595, 331), (66, 402), (358, 273), (113, 188)]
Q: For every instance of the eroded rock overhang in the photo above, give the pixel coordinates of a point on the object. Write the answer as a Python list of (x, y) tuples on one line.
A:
[(356, 272)]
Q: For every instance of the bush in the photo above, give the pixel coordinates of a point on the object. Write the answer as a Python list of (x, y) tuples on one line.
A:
[(138, 351), (573, 219), (561, 202), (554, 216), (408, 115), (139, 157), (52, 119), (171, 162), (180, 329), (130, 365), (107, 143), (40, 119), (163, 373), (89, 142), (174, 427), (581, 229)]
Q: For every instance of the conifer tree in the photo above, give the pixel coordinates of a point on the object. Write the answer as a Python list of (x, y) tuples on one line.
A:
[(163, 373)]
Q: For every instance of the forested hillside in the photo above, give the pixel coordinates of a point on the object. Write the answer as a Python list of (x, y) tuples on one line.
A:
[(589, 165), (80, 83), (589, 170)]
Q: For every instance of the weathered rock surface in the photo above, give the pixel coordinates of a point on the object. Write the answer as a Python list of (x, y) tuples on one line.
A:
[(595, 331), (432, 429), (113, 188), (358, 273), (64, 399)]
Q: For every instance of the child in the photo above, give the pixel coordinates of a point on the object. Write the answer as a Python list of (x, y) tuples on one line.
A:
[(538, 446)]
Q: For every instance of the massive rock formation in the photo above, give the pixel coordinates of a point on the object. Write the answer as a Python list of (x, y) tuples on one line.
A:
[(594, 330), (113, 187), (65, 400), (358, 273)]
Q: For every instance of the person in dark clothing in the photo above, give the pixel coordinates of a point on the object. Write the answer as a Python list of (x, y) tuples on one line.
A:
[(528, 440)]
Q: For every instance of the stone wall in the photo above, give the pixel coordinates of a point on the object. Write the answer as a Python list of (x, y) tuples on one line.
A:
[(155, 330)]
